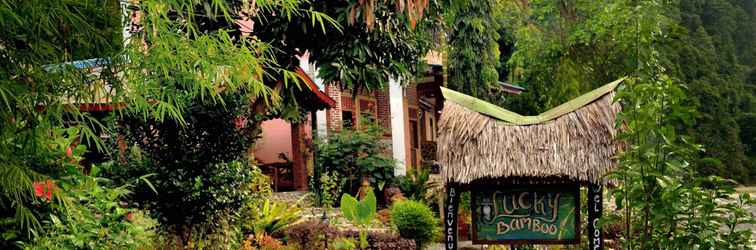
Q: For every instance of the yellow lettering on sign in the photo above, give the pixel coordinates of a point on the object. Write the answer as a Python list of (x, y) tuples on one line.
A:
[(502, 228), (522, 200)]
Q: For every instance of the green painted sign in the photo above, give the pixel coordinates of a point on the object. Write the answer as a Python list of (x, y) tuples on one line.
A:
[(537, 214)]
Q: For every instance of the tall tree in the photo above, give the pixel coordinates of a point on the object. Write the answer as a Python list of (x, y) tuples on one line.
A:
[(377, 40), (473, 47), (715, 56)]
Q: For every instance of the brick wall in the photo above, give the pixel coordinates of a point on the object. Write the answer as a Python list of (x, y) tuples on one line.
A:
[(333, 115), (384, 109), (345, 101), (411, 94)]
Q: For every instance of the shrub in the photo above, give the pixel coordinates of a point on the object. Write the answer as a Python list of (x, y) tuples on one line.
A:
[(222, 233), (415, 220), (383, 241), (416, 185), (355, 154), (95, 218), (344, 243), (330, 188), (197, 166), (181, 200), (260, 192), (312, 234)]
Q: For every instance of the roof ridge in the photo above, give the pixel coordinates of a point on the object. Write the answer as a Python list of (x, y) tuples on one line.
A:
[(514, 118)]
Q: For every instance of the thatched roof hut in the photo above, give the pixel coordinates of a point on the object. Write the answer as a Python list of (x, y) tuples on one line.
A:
[(576, 140)]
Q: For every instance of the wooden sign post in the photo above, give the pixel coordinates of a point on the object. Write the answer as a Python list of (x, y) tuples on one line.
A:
[(526, 214), (595, 208), (450, 216), (525, 184)]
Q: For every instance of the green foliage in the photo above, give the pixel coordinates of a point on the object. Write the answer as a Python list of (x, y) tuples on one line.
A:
[(178, 56), (360, 213), (33, 114), (415, 220), (565, 48), (344, 243), (218, 187), (93, 29), (198, 168), (464, 201), (415, 184), (94, 218), (473, 47), (350, 53), (191, 45), (271, 218), (169, 63), (715, 56), (659, 185), (222, 234), (392, 49), (356, 153), (330, 188), (260, 191)]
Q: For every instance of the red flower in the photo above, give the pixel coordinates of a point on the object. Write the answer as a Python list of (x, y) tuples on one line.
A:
[(39, 189), (44, 189), (129, 216), (50, 188), (240, 122)]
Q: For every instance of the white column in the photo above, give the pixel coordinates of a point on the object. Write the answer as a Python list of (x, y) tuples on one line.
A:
[(396, 101)]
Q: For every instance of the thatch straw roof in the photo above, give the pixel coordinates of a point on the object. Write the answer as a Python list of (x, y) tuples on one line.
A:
[(576, 140)]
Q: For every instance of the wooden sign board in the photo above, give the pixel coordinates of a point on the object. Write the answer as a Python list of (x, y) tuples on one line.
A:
[(526, 214)]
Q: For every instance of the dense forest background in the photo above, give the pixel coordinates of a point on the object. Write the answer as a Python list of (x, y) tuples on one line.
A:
[(560, 49)]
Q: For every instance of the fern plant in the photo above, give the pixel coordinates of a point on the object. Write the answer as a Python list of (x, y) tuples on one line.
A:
[(274, 216)]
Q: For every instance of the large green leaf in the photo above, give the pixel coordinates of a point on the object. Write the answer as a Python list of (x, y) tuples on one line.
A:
[(366, 208), (349, 207)]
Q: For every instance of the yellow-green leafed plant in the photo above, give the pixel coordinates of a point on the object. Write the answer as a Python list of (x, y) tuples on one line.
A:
[(274, 216), (360, 213), (344, 243)]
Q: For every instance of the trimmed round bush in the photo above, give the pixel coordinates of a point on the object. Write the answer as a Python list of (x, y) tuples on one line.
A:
[(415, 220)]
